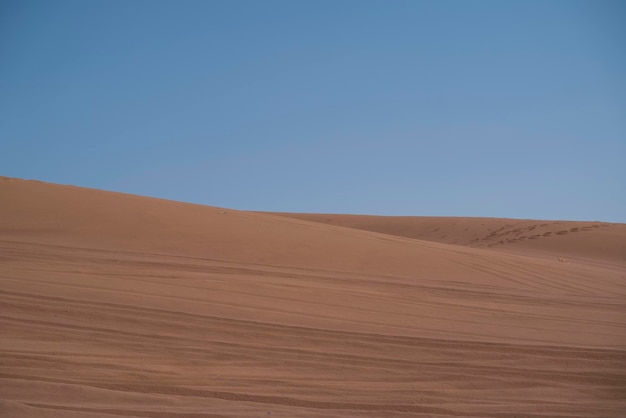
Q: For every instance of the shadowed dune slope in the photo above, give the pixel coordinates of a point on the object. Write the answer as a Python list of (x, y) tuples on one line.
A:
[(120, 305), (600, 241)]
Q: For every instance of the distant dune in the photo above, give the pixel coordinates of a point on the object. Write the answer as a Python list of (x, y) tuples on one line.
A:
[(602, 241), (118, 305)]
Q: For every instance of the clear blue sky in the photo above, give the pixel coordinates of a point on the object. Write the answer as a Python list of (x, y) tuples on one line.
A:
[(468, 108)]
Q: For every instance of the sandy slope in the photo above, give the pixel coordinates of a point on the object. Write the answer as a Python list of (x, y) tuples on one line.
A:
[(118, 305), (601, 241)]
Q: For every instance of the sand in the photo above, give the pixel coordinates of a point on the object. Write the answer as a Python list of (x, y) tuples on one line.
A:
[(603, 241), (118, 305)]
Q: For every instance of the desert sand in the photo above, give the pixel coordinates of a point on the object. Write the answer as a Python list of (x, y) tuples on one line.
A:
[(114, 305)]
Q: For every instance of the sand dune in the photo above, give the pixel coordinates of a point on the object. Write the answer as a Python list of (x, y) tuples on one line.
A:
[(120, 305), (602, 241)]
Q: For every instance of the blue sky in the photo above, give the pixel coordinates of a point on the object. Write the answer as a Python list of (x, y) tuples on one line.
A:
[(450, 108)]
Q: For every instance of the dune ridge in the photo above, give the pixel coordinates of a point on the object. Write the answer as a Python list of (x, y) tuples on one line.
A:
[(120, 305), (602, 241)]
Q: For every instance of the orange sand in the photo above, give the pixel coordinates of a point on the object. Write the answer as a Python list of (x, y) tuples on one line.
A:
[(117, 305)]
